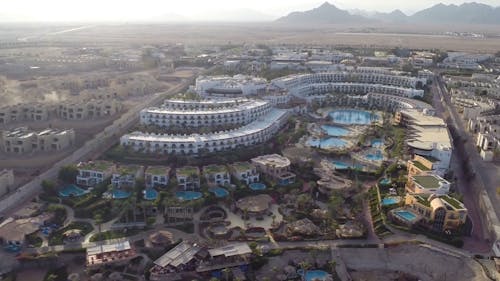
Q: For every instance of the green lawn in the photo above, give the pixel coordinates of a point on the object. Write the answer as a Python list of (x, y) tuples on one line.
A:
[(113, 234), (57, 238)]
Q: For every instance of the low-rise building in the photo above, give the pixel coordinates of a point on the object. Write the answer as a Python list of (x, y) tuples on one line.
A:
[(89, 109), (232, 255), (183, 257), (427, 184), (92, 173), (117, 253), (14, 231), (440, 213), (245, 172), (188, 177), (22, 140), (124, 176), (24, 113), (216, 175), (157, 176), (276, 167), (422, 165), (6, 181)]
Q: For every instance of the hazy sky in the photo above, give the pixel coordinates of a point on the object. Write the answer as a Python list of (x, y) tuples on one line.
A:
[(76, 10)]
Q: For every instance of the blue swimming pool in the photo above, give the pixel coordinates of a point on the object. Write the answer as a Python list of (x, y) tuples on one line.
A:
[(72, 190), (385, 181), (405, 215), (376, 156), (257, 186), (327, 143), (150, 194), (377, 143), (188, 195), (339, 165), (390, 201), (219, 192), (334, 131), (120, 194), (352, 117), (313, 275)]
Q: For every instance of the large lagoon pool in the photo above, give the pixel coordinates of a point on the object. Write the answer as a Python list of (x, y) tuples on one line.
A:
[(334, 131), (352, 117), (375, 156), (188, 195), (72, 190), (377, 143), (327, 143), (313, 275)]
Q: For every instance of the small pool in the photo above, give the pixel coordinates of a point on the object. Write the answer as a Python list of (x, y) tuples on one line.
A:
[(390, 201), (312, 275), (352, 117), (377, 143), (344, 166), (327, 143), (257, 186), (150, 194), (334, 131), (377, 156), (219, 192), (120, 194), (72, 190), (406, 215), (385, 181), (188, 195)]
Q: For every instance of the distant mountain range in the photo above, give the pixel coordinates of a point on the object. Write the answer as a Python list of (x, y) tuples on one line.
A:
[(467, 13)]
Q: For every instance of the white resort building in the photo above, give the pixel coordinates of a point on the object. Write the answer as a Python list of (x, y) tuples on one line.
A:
[(93, 172), (226, 86), (202, 113), (259, 131)]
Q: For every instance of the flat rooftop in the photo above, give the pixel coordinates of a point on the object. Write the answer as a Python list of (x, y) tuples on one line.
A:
[(97, 165), (429, 181), (180, 254), (157, 170), (117, 247)]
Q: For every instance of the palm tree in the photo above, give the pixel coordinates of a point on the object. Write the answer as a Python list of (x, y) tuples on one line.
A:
[(98, 220), (226, 272), (304, 265)]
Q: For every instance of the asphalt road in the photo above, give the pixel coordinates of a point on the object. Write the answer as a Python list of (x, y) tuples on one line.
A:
[(486, 175)]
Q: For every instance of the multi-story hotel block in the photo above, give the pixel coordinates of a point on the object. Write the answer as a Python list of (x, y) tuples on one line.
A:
[(22, 140), (428, 136), (188, 177), (310, 85), (216, 175), (94, 108), (93, 173), (256, 132), (124, 176), (24, 113), (6, 181), (245, 172), (440, 213), (238, 85), (427, 183), (157, 176), (205, 113), (276, 167)]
